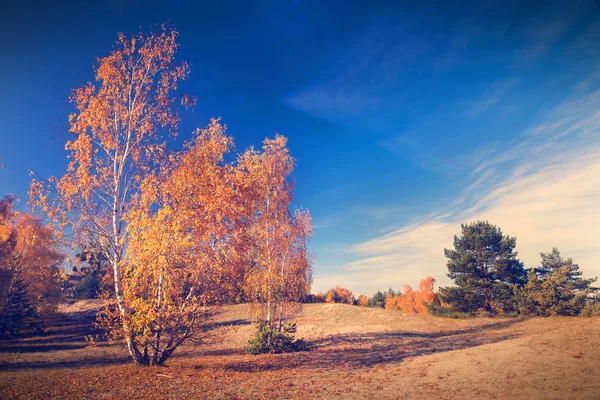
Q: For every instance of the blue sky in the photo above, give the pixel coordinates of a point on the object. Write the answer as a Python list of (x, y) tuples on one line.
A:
[(406, 119)]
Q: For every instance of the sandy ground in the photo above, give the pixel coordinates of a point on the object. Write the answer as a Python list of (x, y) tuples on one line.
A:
[(357, 353)]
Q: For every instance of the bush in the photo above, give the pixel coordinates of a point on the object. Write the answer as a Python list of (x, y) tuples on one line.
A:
[(88, 287), (591, 309), (269, 340), (447, 312)]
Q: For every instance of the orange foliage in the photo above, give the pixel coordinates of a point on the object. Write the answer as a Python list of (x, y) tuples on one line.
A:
[(346, 296), (414, 302), (318, 298), (31, 248), (339, 295), (363, 300), (117, 145), (280, 271), (181, 231)]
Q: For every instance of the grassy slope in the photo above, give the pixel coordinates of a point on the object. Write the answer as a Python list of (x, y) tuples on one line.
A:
[(359, 353)]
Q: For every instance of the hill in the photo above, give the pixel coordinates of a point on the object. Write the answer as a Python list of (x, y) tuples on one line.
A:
[(357, 353)]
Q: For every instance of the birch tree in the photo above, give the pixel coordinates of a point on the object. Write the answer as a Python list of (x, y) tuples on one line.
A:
[(281, 271), (118, 129)]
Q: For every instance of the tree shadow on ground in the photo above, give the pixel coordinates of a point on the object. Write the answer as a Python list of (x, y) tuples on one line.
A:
[(62, 333), (372, 349), (109, 360)]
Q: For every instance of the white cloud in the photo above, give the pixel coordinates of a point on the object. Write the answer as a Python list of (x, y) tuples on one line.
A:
[(544, 189)]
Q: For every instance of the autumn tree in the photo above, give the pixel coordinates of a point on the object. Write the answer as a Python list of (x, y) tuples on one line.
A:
[(28, 254), (332, 296), (280, 272), (38, 258), (411, 301), (363, 300), (346, 296), (117, 142), (426, 295), (485, 268), (316, 298), (7, 244), (339, 295), (184, 236)]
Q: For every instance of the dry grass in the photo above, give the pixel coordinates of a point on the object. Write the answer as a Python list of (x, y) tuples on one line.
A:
[(358, 353)]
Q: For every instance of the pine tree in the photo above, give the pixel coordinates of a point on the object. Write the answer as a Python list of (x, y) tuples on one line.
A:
[(554, 288), (378, 300), (553, 261), (484, 267), (18, 314)]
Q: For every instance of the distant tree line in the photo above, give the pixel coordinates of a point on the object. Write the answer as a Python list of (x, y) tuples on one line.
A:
[(489, 280), (410, 301)]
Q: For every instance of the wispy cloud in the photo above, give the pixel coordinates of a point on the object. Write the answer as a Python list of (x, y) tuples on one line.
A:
[(544, 188), (495, 93)]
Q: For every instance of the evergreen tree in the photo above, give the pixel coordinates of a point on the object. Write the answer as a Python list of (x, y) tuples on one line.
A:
[(553, 261), (378, 300), (18, 314), (484, 267), (554, 288), (88, 288)]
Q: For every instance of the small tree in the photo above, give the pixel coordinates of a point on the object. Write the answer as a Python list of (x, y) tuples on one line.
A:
[(332, 296), (377, 300), (363, 300), (484, 267), (554, 288), (339, 295), (280, 271), (553, 261), (88, 287), (31, 249), (19, 313)]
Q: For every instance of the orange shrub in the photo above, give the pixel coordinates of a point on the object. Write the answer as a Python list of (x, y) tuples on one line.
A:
[(414, 302), (339, 295), (363, 300), (345, 295)]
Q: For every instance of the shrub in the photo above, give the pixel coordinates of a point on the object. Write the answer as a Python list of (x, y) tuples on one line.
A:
[(445, 311), (591, 309), (363, 300), (88, 287), (315, 298), (270, 340)]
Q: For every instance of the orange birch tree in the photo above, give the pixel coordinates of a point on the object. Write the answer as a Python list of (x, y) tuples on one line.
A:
[(117, 141), (184, 231), (31, 249), (280, 273)]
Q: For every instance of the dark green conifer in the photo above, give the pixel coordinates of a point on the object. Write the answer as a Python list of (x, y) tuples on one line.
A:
[(485, 268)]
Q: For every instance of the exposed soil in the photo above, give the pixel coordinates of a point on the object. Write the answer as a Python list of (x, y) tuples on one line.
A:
[(357, 353)]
